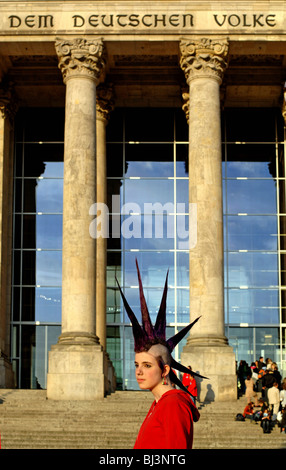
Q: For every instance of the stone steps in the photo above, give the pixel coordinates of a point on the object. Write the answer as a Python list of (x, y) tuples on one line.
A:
[(29, 421)]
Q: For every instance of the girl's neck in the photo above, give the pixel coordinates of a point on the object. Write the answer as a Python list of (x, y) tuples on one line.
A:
[(160, 389)]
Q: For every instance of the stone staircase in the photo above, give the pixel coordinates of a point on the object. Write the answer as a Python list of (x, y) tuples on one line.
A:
[(29, 421)]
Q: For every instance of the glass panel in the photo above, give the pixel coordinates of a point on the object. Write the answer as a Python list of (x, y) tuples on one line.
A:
[(16, 304), (153, 268), (183, 305), (28, 354), (44, 195), (253, 269), (153, 298), (250, 160), (148, 232), (182, 160), (114, 130), (251, 232), (44, 160), (113, 269), (18, 186), (182, 194), (114, 160), (267, 344), (113, 305), (253, 306), (183, 269), (182, 128), (49, 268), (250, 125), (130, 382), (42, 231), (149, 125), (149, 160), (251, 196), (114, 346), (40, 124), (142, 192), (48, 304), (185, 238), (241, 340)]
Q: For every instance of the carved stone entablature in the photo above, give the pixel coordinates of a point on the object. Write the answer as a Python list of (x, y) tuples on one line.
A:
[(8, 100), (204, 58), (81, 57), (104, 101)]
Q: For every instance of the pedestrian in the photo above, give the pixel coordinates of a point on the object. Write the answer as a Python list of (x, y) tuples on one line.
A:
[(248, 412), (274, 400), (276, 374), (283, 395), (190, 383), (267, 381), (283, 421), (249, 390), (169, 423), (266, 421), (261, 363)]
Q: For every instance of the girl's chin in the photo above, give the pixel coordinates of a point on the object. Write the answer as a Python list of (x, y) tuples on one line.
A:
[(142, 385)]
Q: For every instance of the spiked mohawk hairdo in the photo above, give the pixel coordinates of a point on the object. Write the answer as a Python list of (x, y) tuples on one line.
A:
[(147, 335)]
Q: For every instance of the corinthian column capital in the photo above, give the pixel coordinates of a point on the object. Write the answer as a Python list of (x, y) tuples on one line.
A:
[(104, 101), (81, 57), (204, 58)]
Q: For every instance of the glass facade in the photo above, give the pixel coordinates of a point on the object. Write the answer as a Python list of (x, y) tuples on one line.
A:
[(254, 232), (37, 242), (147, 172)]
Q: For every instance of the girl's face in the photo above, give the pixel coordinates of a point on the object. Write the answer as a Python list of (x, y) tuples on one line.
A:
[(147, 371)]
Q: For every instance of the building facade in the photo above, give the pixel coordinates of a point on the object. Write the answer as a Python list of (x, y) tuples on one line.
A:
[(148, 131)]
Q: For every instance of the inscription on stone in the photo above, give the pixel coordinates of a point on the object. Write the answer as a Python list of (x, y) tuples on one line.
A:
[(152, 20)]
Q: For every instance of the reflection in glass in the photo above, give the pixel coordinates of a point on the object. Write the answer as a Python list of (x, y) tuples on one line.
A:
[(251, 196), (39, 231), (45, 160), (43, 195), (182, 160), (252, 269), (267, 341), (146, 160), (153, 299), (250, 160), (146, 193), (49, 268), (253, 306), (241, 340), (148, 232), (153, 268), (252, 233)]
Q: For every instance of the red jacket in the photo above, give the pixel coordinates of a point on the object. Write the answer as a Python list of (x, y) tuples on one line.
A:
[(169, 423), (191, 385)]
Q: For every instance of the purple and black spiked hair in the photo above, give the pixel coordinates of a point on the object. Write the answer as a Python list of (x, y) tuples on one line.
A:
[(147, 334)]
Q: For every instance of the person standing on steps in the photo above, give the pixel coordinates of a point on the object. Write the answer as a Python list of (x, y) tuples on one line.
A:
[(169, 423)]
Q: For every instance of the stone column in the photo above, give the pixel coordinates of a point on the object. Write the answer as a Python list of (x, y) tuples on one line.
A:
[(204, 62), (78, 364), (8, 108), (104, 106)]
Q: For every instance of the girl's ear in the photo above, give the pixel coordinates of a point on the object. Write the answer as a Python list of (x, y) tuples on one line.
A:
[(166, 370)]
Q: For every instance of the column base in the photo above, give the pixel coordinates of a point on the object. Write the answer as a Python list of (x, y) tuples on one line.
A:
[(7, 379), (217, 362), (79, 372)]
